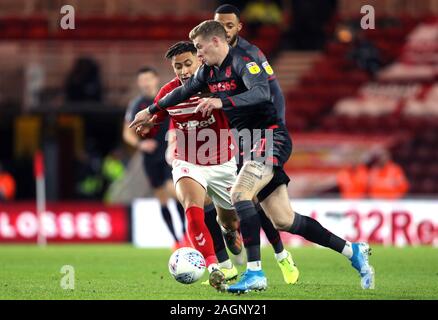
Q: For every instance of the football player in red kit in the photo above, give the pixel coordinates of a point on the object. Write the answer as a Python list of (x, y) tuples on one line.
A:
[(199, 170)]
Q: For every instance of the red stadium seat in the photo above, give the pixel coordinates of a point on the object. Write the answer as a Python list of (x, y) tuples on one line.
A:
[(13, 28), (427, 186), (424, 154), (37, 28)]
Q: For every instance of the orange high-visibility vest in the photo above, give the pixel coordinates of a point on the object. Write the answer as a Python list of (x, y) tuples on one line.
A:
[(353, 182), (7, 186), (388, 182)]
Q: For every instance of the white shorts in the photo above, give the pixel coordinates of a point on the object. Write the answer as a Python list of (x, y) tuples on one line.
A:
[(217, 180)]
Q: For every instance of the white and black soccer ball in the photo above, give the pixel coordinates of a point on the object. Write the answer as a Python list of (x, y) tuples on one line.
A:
[(187, 265)]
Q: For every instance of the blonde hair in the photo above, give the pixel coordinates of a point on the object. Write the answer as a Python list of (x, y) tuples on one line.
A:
[(207, 29)]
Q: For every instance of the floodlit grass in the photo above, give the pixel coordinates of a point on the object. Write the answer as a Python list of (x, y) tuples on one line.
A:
[(124, 272)]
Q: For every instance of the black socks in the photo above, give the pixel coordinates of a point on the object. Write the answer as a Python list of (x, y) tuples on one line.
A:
[(271, 233), (182, 215), (312, 230), (216, 233), (168, 220), (250, 229)]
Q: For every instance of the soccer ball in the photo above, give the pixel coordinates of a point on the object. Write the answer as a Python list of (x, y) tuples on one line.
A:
[(186, 265)]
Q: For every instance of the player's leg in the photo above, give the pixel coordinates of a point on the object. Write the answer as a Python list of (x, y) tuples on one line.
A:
[(252, 178), (162, 196), (220, 179), (158, 173), (277, 206), (271, 233), (191, 191), (170, 188), (225, 264), (229, 224), (215, 231), (191, 194), (284, 258)]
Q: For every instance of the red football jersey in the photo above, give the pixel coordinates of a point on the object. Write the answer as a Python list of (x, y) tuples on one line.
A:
[(200, 140)]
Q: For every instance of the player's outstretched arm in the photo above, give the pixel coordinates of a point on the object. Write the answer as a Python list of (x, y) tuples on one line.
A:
[(143, 118)]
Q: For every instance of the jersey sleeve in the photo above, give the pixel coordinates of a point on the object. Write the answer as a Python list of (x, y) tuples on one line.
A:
[(161, 114), (278, 99), (274, 86), (255, 81), (196, 83)]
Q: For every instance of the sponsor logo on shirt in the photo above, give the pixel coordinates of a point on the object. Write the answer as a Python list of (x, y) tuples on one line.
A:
[(194, 124), (223, 86)]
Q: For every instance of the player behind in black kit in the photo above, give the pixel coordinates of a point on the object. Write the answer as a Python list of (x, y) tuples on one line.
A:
[(242, 90), (153, 151), (229, 16)]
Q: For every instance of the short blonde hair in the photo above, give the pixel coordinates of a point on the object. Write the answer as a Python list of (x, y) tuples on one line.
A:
[(207, 29)]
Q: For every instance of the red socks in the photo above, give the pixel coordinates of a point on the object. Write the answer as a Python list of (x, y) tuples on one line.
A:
[(199, 234)]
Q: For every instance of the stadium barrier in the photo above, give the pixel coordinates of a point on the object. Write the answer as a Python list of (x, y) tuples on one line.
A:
[(392, 223), (63, 222)]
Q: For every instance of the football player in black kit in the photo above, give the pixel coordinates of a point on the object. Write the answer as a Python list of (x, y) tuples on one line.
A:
[(242, 90), (229, 16), (153, 152)]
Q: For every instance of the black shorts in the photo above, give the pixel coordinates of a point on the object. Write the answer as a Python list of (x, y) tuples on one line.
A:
[(275, 152), (278, 154), (280, 177), (157, 170)]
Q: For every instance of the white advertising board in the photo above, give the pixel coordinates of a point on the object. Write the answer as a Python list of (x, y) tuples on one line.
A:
[(398, 223)]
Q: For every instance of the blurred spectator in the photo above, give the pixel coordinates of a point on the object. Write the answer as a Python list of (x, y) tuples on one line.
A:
[(365, 55), (308, 22), (387, 179), (83, 83), (34, 81), (153, 148), (7, 185), (90, 181), (113, 170), (113, 167), (261, 12), (353, 182)]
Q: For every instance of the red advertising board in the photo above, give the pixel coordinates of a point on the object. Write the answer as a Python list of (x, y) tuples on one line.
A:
[(64, 222)]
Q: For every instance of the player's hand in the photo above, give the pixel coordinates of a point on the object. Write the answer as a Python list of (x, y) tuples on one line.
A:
[(148, 145), (143, 129), (207, 106), (141, 118)]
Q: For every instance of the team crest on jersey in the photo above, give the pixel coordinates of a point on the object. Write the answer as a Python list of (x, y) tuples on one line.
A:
[(228, 72), (185, 170), (253, 68), (268, 68)]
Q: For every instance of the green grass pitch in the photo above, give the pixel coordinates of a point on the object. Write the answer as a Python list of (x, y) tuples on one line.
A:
[(124, 272)]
